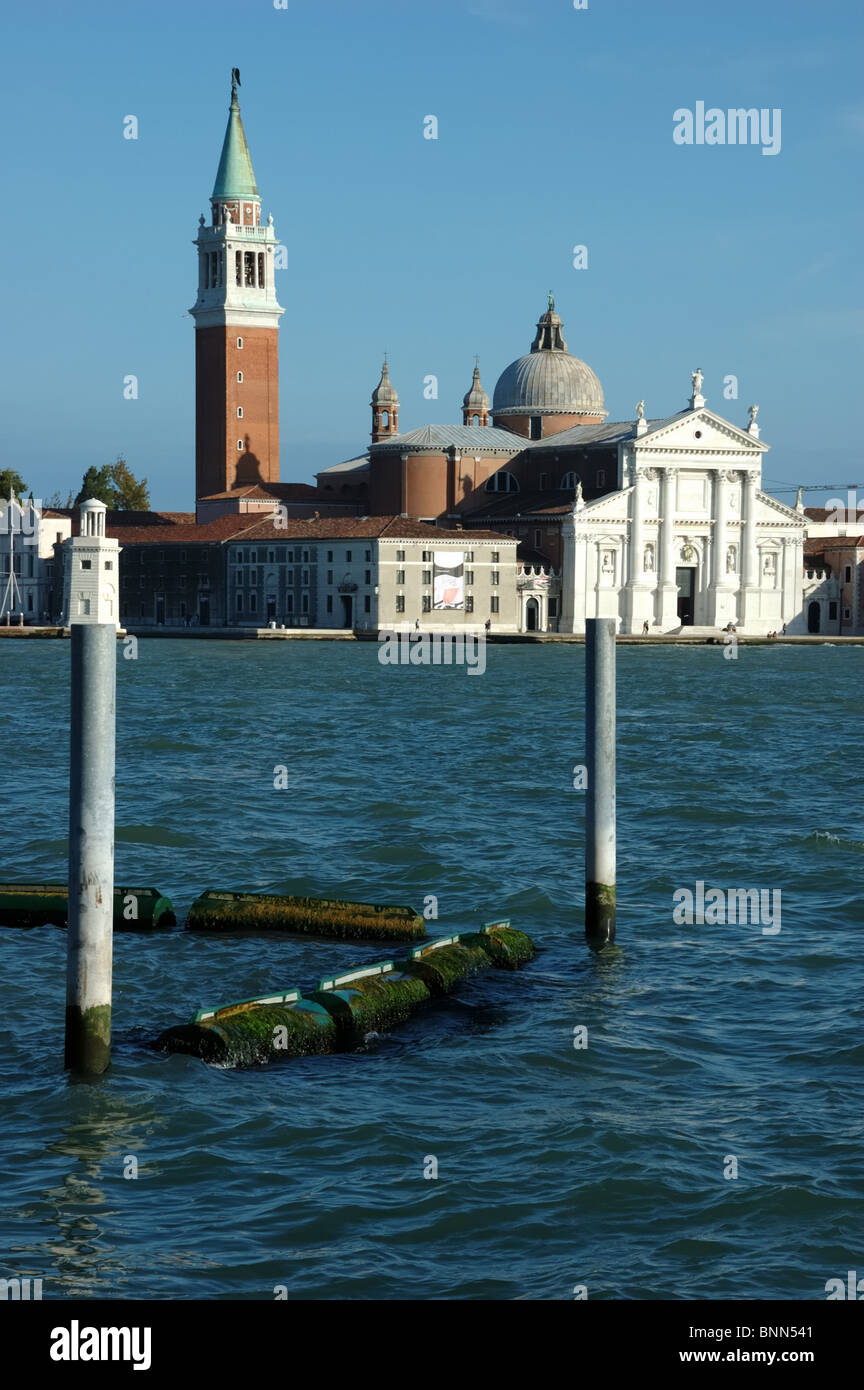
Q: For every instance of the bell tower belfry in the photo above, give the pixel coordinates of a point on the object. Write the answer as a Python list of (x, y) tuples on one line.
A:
[(236, 328)]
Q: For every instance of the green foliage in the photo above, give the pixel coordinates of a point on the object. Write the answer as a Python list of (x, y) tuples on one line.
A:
[(115, 485), (9, 479)]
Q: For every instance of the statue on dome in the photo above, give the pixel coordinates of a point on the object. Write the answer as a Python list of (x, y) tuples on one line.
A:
[(697, 379)]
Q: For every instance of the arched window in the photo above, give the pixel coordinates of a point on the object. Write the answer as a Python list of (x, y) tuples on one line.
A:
[(385, 419), (502, 481), (570, 481)]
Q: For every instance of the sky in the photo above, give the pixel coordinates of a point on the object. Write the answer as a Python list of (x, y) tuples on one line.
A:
[(555, 130)]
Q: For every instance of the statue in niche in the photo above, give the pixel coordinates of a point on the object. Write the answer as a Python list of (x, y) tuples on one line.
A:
[(731, 559), (608, 566), (648, 561)]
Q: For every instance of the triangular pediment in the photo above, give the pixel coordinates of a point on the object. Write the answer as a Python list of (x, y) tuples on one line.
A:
[(714, 433), (613, 506)]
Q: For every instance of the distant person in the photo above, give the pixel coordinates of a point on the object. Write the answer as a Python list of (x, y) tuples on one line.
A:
[(645, 628), (783, 633), (416, 624), (488, 625)]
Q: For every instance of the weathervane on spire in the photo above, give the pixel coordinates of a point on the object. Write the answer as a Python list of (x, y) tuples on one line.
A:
[(235, 83)]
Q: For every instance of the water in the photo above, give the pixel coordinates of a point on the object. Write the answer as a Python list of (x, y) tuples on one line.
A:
[(557, 1166)]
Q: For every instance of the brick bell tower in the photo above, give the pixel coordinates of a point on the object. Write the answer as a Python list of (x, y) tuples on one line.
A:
[(236, 328)]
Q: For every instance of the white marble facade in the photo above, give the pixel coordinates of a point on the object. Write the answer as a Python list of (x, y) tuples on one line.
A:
[(689, 539)]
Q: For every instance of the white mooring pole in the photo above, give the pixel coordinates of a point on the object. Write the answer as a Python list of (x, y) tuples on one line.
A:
[(600, 763), (91, 611)]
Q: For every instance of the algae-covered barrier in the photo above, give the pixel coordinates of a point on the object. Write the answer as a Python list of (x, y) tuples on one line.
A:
[(221, 910), (344, 1008), (40, 904)]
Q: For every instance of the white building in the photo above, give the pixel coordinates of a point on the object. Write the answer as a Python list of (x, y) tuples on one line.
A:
[(91, 570), (28, 533), (689, 539)]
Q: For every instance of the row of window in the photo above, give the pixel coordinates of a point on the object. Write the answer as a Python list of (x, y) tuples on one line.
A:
[(426, 603), (504, 481), (279, 554)]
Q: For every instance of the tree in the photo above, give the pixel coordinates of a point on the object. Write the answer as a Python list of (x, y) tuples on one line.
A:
[(116, 485), (130, 495), (9, 479), (98, 483)]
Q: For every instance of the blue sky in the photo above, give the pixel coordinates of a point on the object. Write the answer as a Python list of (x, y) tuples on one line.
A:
[(555, 129)]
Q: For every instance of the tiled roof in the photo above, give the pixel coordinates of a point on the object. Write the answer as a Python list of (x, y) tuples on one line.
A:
[(242, 526), (286, 491), (475, 439)]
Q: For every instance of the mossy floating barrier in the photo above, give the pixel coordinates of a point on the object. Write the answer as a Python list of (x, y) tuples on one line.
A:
[(38, 904), (218, 910), (337, 1015)]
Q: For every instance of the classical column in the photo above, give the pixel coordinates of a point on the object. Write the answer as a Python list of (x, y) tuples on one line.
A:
[(639, 599), (749, 550), (637, 527), (668, 588), (721, 523)]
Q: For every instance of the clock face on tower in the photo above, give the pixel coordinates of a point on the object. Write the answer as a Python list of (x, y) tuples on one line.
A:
[(247, 212)]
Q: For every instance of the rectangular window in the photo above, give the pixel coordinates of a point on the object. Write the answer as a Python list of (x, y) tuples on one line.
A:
[(494, 577), (329, 556), (470, 557), (367, 579), (368, 555), (260, 270), (86, 564), (400, 576), (848, 574), (239, 602), (348, 554), (305, 579), (304, 603), (271, 557), (367, 604), (329, 603), (427, 603), (469, 576), (184, 556), (494, 557), (249, 269), (305, 557), (253, 602), (493, 604), (553, 608), (400, 556), (280, 554), (400, 603), (238, 278), (469, 603), (425, 576), (427, 556), (329, 576), (289, 603), (832, 610)]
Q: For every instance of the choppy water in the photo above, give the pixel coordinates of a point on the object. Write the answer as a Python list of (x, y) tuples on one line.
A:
[(557, 1166)]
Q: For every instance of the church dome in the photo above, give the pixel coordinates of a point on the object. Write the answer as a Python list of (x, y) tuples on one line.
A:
[(549, 380)]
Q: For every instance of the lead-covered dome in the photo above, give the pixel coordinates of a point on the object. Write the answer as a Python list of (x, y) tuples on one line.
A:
[(549, 380)]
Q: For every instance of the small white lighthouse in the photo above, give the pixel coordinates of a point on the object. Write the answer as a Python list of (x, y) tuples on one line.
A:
[(90, 582)]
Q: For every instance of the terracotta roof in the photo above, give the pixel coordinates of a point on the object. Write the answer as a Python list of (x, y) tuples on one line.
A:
[(249, 527), (272, 490)]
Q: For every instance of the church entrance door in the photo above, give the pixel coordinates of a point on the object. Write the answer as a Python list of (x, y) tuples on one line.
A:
[(813, 615), (347, 610), (685, 578), (531, 615)]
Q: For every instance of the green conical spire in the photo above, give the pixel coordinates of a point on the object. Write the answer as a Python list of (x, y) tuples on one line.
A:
[(235, 177)]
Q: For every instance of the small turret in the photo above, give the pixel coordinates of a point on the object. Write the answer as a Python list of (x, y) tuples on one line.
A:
[(475, 404), (385, 407)]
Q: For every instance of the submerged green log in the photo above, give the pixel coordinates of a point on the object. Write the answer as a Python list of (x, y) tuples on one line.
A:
[(442, 967), (506, 947), (243, 1034), (371, 998), (373, 1003), (37, 904), (218, 910)]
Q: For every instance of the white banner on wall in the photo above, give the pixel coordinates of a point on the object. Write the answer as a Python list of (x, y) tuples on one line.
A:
[(448, 579)]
